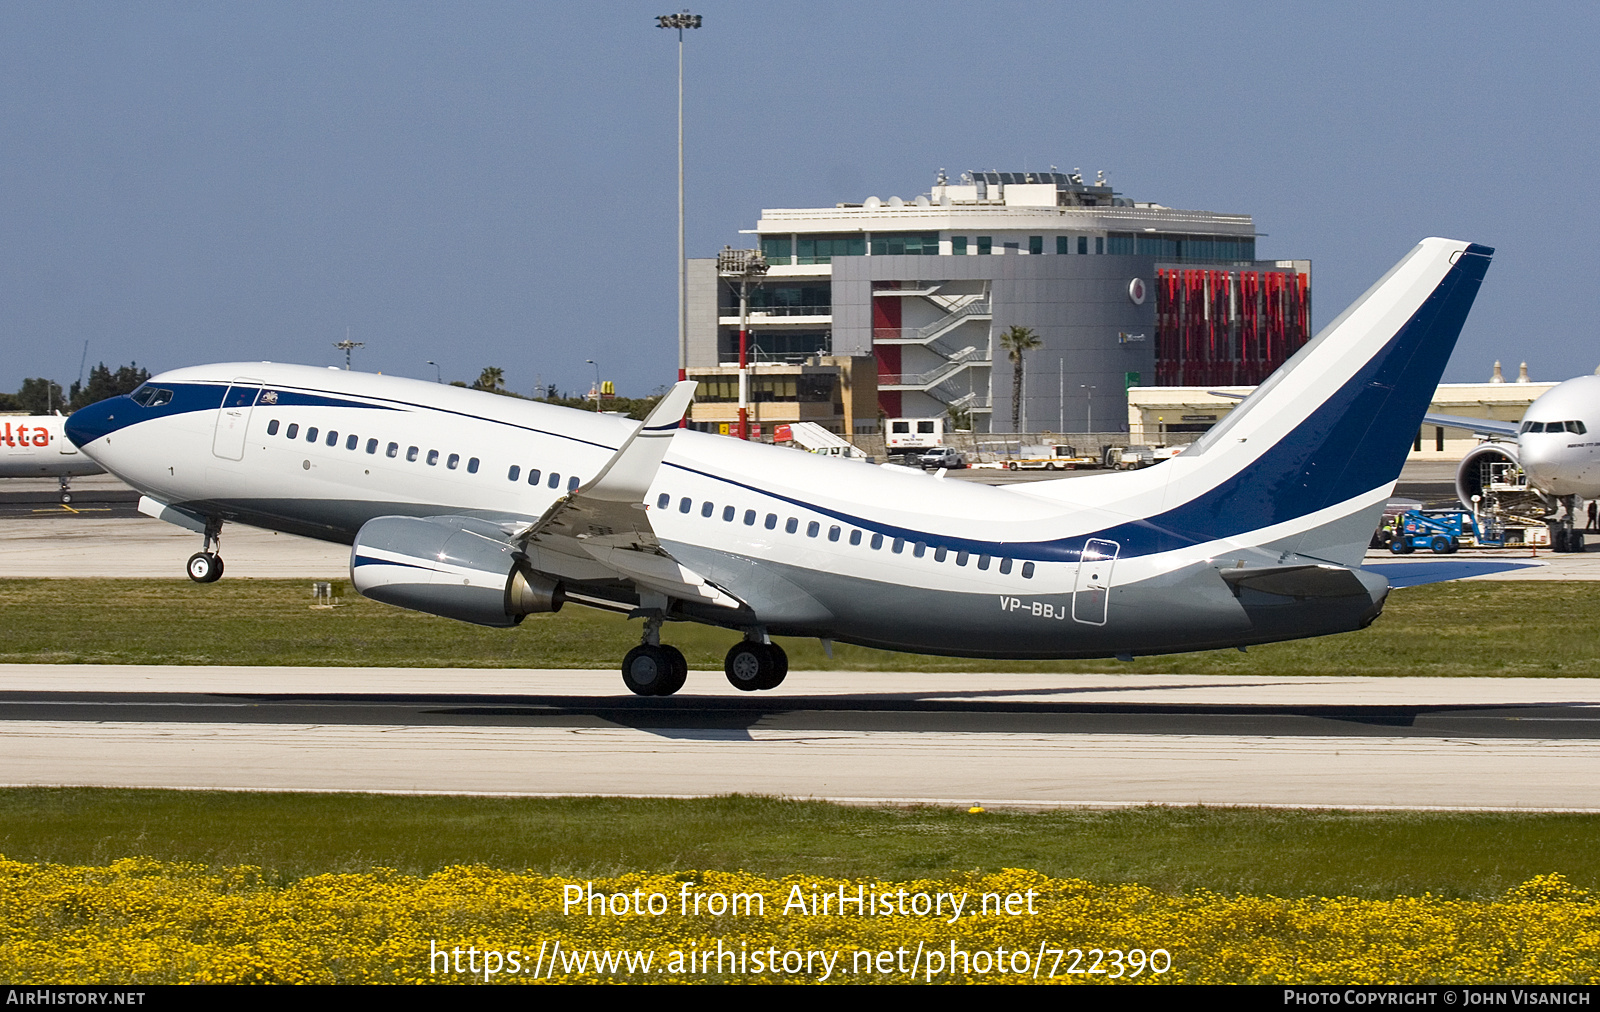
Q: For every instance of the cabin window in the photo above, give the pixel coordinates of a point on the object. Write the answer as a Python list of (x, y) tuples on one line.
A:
[(706, 508), (392, 450), (771, 521), (533, 475), (983, 562), (877, 542), (961, 558), (572, 483), (514, 473), (939, 553), (663, 501), (555, 480), (333, 438), (749, 518), (812, 528), (1027, 570), (411, 453), (1005, 567), (352, 441), (453, 462), (685, 504), (855, 537), (727, 514), (920, 549), (899, 546), (833, 533), (791, 525), (433, 458), (472, 466), (272, 427), (292, 431), (311, 434), (372, 446)]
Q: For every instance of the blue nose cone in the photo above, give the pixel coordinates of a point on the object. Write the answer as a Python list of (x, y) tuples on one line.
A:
[(85, 425)]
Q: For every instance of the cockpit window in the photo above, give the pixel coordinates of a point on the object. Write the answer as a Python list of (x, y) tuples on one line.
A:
[(1577, 427), (148, 396)]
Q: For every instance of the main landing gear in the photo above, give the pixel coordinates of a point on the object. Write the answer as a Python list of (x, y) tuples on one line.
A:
[(652, 668), (655, 669), (205, 566), (66, 488), (754, 664)]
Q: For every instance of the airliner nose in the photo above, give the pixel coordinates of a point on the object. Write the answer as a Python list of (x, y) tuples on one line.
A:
[(85, 425)]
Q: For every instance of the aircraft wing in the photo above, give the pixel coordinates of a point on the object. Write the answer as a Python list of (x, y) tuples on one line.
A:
[(607, 520), (1478, 426)]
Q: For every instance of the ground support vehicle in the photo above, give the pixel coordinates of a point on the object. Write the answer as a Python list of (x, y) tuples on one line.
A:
[(1444, 531), (1049, 457)]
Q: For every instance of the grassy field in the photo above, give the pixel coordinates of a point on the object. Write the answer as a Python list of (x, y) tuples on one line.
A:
[(1282, 853), (1448, 629)]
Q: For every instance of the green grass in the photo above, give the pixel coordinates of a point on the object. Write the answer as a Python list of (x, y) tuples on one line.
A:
[(1285, 853), (1449, 629)]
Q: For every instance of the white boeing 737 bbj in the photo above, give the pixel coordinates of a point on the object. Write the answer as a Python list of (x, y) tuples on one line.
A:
[(485, 508)]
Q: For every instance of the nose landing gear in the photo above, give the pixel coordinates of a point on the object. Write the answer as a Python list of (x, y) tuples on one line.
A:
[(205, 566)]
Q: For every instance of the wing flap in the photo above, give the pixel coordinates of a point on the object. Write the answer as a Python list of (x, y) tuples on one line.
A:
[(607, 521)]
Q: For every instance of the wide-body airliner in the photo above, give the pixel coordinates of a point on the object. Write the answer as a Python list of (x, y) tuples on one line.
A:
[(485, 508), (1556, 446), (33, 446)]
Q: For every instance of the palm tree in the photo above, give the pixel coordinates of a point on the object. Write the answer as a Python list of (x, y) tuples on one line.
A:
[(491, 379), (1016, 341)]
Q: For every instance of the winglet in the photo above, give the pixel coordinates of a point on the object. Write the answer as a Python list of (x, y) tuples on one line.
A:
[(627, 475)]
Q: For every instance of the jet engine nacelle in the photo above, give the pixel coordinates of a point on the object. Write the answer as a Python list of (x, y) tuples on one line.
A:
[(457, 567), (1474, 470)]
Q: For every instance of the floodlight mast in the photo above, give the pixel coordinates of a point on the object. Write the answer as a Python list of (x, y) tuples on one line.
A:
[(741, 265), (680, 22)]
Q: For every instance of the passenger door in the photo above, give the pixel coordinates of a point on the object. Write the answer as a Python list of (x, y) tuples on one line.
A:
[(1093, 589), (233, 419)]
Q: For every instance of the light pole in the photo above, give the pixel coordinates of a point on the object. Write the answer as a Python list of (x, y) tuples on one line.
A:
[(741, 265), (1090, 422), (596, 384), (438, 377), (680, 22)]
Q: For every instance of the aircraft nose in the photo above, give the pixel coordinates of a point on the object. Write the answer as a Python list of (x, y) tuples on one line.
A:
[(85, 425)]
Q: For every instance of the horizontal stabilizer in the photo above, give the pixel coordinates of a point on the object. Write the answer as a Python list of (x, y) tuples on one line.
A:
[(1296, 581)]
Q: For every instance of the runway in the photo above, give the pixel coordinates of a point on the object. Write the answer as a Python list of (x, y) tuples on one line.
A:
[(998, 740)]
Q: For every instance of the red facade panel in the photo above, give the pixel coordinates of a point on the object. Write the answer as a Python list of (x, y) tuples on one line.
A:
[(1227, 327)]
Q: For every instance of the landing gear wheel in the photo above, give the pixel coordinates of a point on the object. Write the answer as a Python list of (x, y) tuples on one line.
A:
[(205, 567), (680, 671), (1559, 540), (751, 666), (1575, 542), (66, 497), (651, 671)]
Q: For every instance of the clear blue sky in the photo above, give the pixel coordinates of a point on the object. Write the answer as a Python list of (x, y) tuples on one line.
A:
[(492, 183)]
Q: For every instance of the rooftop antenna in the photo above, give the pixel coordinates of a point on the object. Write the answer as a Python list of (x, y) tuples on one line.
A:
[(348, 346)]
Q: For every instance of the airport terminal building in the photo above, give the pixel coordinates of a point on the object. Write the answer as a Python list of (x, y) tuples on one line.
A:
[(904, 301)]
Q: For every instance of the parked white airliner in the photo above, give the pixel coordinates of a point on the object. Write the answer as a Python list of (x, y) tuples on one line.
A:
[(1557, 446), (33, 446), (485, 508)]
